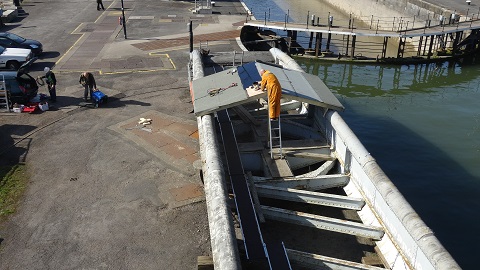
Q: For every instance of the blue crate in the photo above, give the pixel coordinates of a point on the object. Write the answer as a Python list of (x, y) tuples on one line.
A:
[(99, 97)]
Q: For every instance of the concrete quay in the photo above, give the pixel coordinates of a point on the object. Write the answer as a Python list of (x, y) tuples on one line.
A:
[(105, 192)]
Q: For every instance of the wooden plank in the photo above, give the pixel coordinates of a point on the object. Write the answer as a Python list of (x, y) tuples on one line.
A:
[(205, 263), (382, 258), (372, 260), (308, 155), (278, 167), (256, 201), (245, 115), (261, 131)]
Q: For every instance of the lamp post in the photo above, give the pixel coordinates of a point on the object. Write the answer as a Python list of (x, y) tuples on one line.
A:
[(124, 24)]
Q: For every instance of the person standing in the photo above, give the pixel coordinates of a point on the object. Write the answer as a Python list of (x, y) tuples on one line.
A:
[(274, 91), (88, 81), (100, 3), (51, 83)]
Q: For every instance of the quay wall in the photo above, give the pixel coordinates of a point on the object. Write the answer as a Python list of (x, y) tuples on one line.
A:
[(412, 11)]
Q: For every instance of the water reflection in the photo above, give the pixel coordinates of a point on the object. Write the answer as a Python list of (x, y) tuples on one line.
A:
[(355, 80), (421, 123)]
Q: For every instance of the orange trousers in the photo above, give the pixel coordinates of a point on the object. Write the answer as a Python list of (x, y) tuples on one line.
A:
[(271, 83), (274, 95)]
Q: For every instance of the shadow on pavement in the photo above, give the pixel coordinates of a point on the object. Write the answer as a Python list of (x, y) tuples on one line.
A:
[(113, 102), (11, 154)]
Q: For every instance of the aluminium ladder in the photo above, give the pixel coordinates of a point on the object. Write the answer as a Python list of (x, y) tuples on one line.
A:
[(4, 95), (275, 135)]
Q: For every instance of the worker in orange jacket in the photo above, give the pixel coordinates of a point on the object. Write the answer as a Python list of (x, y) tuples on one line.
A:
[(274, 90)]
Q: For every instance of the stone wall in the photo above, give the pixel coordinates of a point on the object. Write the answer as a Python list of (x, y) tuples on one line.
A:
[(383, 11)]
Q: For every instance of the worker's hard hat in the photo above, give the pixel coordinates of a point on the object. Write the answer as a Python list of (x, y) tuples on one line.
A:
[(46, 69)]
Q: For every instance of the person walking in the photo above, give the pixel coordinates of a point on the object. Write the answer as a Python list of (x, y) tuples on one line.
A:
[(274, 91), (100, 3), (51, 83), (88, 81)]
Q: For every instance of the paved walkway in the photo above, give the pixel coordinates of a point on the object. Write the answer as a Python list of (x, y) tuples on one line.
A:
[(99, 46)]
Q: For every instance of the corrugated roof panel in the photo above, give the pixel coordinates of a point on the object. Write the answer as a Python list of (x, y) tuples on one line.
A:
[(223, 94), (230, 88), (324, 94)]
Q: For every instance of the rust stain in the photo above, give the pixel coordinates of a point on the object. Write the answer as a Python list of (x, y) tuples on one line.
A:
[(186, 192)]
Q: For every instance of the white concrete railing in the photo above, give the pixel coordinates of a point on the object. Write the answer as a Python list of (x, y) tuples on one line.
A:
[(220, 223)]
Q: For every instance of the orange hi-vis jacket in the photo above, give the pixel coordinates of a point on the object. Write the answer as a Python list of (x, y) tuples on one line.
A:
[(274, 90)]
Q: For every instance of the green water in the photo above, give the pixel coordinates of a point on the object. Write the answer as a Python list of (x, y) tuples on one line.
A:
[(422, 124)]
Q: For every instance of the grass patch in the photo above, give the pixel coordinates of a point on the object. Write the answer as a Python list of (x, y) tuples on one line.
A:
[(13, 181)]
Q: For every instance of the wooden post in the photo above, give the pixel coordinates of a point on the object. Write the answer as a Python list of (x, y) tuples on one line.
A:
[(384, 49), (294, 41), (458, 35), (354, 39), (289, 41), (329, 38), (432, 38), (425, 45), (318, 43), (348, 43), (419, 51), (310, 41), (401, 47)]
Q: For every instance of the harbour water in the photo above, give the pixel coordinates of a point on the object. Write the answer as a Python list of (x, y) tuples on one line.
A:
[(421, 123)]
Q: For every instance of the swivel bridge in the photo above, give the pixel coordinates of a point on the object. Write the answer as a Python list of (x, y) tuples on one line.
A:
[(421, 41)]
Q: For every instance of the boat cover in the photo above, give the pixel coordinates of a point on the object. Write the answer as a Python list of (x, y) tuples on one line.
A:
[(233, 87)]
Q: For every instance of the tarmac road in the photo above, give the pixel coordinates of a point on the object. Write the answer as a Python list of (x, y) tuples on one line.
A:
[(105, 193)]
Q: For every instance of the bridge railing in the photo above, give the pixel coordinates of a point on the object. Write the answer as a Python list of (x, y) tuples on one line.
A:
[(394, 24)]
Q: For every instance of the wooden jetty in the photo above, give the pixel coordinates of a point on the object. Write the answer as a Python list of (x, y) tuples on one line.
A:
[(428, 43)]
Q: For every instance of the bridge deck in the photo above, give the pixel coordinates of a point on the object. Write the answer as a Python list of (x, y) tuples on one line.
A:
[(404, 33)]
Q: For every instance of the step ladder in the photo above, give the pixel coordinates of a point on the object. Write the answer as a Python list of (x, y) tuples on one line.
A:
[(4, 102), (234, 63), (275, 135), (204, 47)]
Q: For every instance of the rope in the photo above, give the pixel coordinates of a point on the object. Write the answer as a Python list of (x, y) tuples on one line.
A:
[(215, 91)]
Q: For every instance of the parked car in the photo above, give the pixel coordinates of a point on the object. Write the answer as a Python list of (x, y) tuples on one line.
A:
[(21, 87), (10, 40), (13, 58)]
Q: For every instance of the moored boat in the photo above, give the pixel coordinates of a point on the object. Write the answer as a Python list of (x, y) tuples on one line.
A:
[(317, 199)]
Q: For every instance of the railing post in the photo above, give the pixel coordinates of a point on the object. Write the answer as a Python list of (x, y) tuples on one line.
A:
[(308, 17)]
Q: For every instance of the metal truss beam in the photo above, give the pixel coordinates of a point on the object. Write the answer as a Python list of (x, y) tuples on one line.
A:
[(310, 197), (310, 260), (308, 183), (321, 222)]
